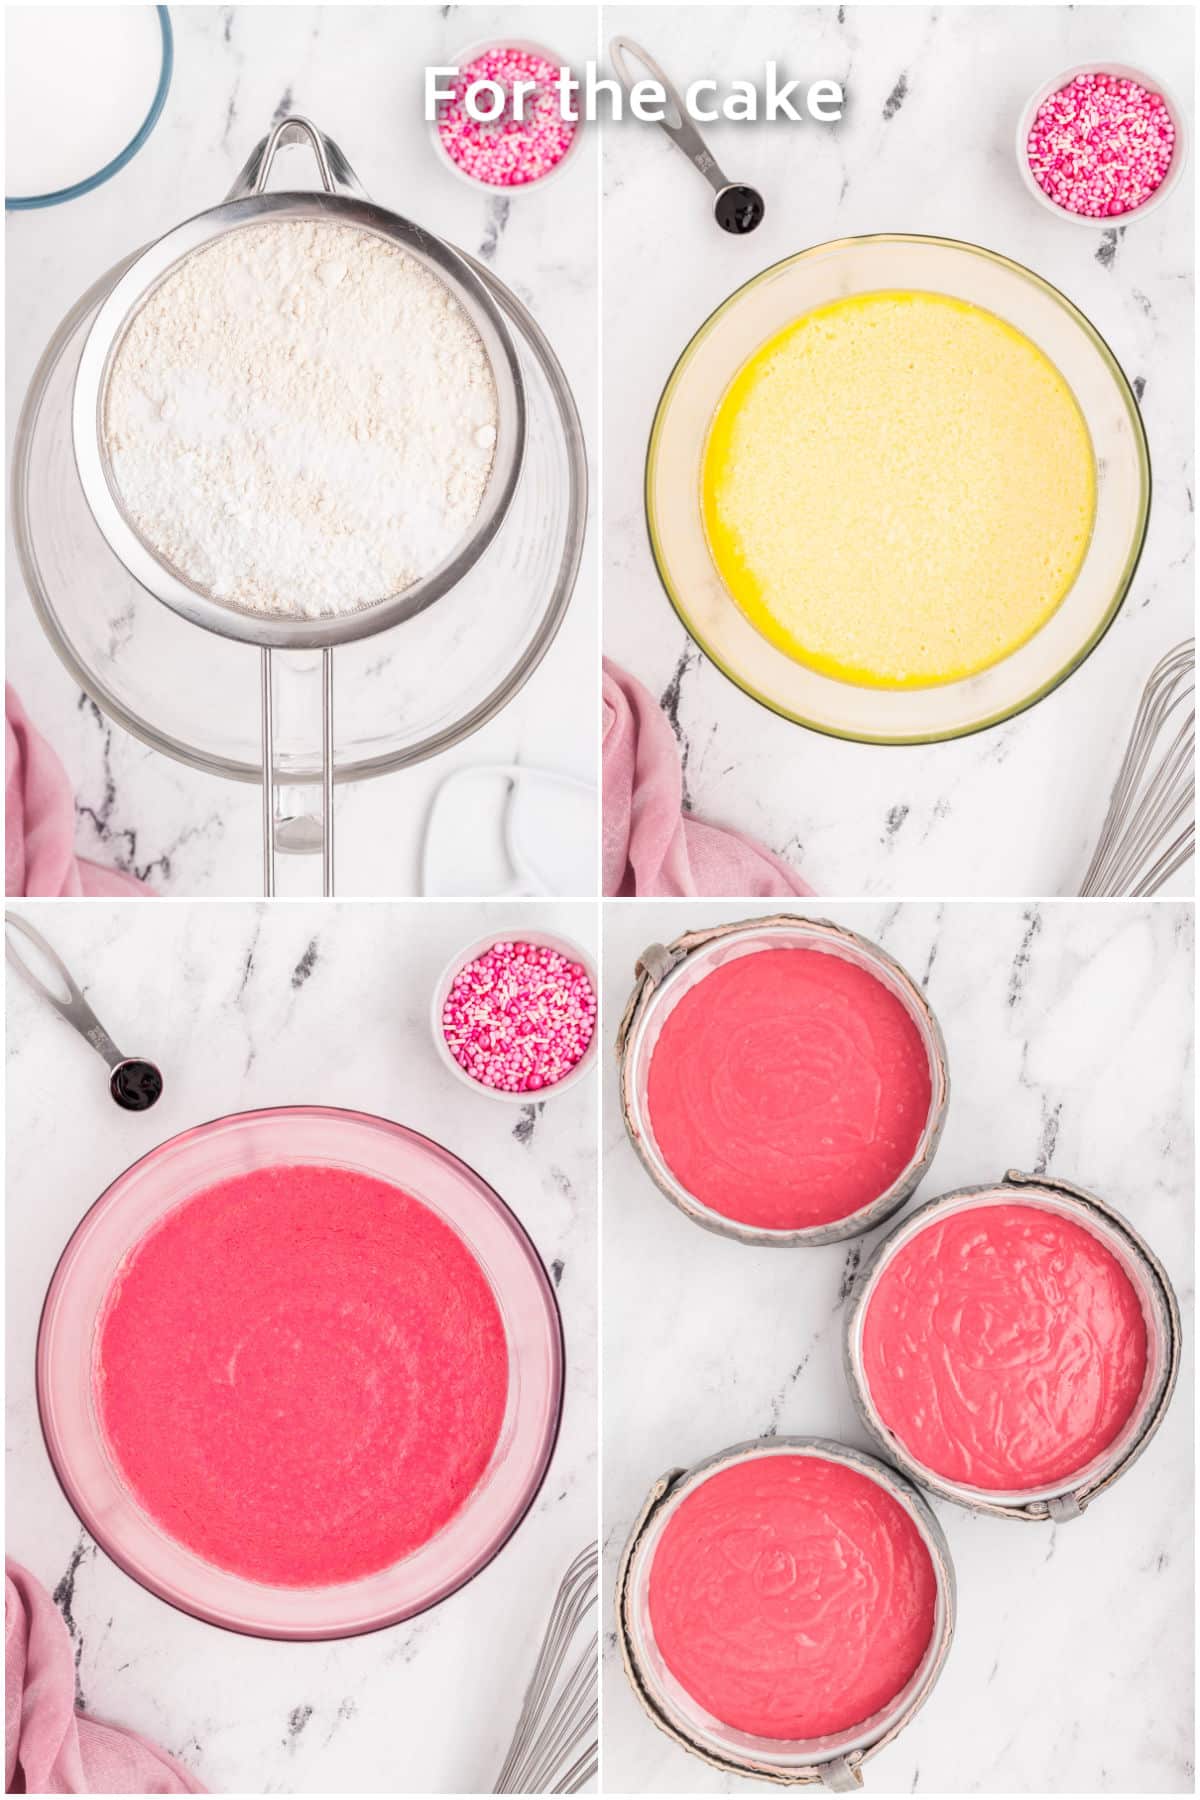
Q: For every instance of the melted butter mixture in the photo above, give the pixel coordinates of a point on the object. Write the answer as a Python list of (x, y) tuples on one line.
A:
[(792, 1596), (898, 489), (1005, 1346)]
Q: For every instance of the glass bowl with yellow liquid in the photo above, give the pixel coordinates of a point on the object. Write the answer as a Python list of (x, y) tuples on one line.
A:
[(897, 488)]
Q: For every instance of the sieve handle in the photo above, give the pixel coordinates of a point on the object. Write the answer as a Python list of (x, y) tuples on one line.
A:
[(337, 177), (281, 829)]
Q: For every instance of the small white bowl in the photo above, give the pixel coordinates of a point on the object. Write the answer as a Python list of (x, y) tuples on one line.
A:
[(1123, 72), (550, 940), (461, 61)]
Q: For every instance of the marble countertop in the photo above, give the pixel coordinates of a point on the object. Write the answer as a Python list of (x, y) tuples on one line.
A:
[(357, 72), (1069, 1035), (245, 1006), (926, 145)]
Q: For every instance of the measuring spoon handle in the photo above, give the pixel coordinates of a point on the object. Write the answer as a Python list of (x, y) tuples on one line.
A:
[(682, 133), (75, 1009)]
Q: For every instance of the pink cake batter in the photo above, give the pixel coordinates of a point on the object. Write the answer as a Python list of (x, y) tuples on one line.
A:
[(1005, 1346), (792, 1596), (788, 1088), (301, 1374)]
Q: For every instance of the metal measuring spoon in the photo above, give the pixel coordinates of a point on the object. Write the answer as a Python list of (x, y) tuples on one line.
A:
[(737, 208), (134, 1083)]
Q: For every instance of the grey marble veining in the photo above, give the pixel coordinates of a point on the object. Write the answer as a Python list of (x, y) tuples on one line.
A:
[(1069, 1036), (926, 145), (356, 71), (247, 1006)]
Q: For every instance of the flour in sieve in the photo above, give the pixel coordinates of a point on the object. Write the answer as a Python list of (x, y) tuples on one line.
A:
[(301, 419)]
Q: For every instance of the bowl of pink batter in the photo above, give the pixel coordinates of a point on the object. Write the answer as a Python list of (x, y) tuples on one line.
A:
[(785, 1607), (300, 1372), (783, 1080), (1014, 1347)]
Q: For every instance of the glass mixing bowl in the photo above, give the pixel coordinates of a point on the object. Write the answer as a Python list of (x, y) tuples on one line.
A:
[(162, 1180), (764, 306), (402, 695), (68, 139)]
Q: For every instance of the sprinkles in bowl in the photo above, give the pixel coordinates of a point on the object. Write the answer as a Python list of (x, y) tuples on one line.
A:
[(507, 152), (1101, 144), (519, 1017)]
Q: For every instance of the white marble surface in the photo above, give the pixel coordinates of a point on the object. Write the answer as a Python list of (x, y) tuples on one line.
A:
[(1069, 1032), (926, 145), (357, 72), (328, 1004)]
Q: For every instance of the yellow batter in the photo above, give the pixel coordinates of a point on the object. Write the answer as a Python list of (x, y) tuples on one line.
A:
[(898, 489)]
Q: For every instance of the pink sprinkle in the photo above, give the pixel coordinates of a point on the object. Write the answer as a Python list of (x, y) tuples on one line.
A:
[(507, 152), (519, 1017), (1101, 146)]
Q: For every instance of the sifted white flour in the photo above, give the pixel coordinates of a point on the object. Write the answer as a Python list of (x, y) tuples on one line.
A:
[(301, 419)]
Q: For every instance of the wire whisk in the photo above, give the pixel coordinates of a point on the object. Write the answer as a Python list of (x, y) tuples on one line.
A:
[(555, 1746), (1149, 830)]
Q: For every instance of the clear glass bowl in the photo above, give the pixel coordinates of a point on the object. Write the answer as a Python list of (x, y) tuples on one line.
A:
[(97, 177), (161, 1181), (700, 961), (766, 305), (402, 695)]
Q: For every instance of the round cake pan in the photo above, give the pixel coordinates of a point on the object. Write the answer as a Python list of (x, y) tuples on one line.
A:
[(833, 1762), (156, 1185), (774, 299), (1069, 1497), (665, 973)]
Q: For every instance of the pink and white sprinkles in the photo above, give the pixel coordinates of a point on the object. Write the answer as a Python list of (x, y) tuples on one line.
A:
[(1101, 146), (507, 152), (519, 1017)]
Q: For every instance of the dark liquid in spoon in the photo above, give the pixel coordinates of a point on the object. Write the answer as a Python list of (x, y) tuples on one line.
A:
[(739, 209), (135, 1085)]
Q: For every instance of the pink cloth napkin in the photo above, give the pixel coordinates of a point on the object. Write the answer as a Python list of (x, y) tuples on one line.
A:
[(39, 820), (650, 845), (49, 1747)]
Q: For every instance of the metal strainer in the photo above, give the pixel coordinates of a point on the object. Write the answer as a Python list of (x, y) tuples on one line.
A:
[(341, 200)]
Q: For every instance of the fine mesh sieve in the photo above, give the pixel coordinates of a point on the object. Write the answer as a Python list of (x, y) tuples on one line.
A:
[(341, 200)]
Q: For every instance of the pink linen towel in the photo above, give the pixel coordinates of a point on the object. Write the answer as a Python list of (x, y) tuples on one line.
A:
[(650, 845), (49, 1747), (39, 820)]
